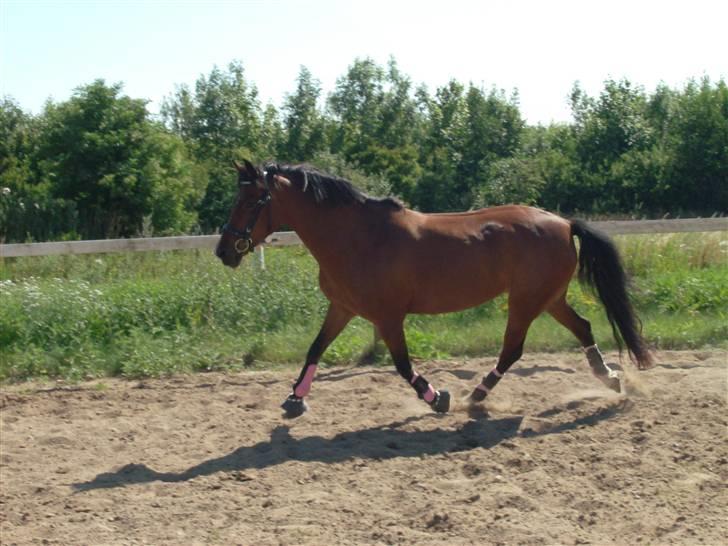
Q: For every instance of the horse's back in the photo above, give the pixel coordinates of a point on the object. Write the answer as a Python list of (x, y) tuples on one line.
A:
[(462, 259), (510, 216), (494, 229)]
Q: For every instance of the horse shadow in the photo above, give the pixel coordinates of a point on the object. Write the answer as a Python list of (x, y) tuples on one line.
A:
[(376, 443)]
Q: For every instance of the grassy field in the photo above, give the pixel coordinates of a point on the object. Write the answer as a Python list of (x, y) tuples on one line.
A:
[(145, 314)]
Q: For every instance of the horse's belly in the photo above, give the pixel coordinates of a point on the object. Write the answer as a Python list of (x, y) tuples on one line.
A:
[(453, 296)]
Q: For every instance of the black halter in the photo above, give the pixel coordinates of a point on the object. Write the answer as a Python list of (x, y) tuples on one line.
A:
[(244, 244)]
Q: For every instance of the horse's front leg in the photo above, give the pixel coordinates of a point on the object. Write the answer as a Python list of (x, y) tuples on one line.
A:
[(335, 321), (393, 335)]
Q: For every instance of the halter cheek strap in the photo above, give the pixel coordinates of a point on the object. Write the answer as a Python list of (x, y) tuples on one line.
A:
[(244, 244)]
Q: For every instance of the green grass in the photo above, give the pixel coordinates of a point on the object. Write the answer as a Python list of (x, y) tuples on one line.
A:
[(148, 314)]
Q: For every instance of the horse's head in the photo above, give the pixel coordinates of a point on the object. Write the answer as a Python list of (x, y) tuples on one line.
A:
[(250, 219)]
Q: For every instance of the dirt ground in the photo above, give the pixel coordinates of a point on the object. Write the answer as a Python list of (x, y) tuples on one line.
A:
[(208, 459)]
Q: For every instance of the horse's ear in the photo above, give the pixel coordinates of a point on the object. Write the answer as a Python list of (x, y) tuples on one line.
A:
[(247, 171), (251, 171)]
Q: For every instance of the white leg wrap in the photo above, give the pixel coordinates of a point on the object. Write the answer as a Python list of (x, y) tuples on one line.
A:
[(604, 373), (596, 360)]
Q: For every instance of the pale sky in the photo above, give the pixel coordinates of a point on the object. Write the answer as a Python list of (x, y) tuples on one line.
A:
[(540, 48)]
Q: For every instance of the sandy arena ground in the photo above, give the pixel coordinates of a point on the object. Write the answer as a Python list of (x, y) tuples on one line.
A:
[(208, 459)]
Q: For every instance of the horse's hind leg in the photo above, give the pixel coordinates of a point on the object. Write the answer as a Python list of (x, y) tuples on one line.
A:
[(581, 328), (392, 333), (335, 321), (511, 351), (523, 308)]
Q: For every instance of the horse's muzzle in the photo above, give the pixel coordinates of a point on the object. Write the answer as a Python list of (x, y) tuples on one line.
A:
[(229, 257)]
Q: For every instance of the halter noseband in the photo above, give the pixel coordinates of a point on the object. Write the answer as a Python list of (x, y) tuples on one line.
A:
[(244, 244)]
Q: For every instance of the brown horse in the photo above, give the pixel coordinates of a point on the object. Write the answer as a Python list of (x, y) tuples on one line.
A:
[(381, 261)]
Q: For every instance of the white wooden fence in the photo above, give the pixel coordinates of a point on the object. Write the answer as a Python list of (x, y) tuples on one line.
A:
[(289, 238)]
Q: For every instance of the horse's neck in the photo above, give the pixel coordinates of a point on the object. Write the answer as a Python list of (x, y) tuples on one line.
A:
[(327, 232)]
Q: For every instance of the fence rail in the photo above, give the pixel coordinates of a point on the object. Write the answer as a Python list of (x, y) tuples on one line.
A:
[(289, 238)]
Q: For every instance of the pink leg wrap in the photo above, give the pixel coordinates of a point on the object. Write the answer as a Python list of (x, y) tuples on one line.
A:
[(429, 394), (304, 387)]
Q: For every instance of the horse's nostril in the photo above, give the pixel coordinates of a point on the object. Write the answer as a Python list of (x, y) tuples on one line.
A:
[(220, 252)]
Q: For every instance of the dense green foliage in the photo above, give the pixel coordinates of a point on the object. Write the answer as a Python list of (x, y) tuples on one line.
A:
[(94, 166), (153, 313), (98, 165)]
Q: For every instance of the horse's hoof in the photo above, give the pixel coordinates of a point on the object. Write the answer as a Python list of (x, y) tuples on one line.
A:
[(441, 403), (294, 407), (611, 380), (612, 383), (477, 396)]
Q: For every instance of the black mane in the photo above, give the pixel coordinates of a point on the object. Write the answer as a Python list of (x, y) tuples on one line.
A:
[(327, 189)]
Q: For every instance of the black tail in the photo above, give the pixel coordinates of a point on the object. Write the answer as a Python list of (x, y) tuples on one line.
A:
[(601, 267)]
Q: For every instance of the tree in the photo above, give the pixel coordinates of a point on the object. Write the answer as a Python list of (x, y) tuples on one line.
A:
[(552, 149), (399, 134), (666, 152), (376, 123), (697, 141), (607, 128), (178, 184), (101, 151), (222, 114), (219, 122), (303, 122), (271, 133), (97, 165), (491, 131), (437, 189), (468, 131), (612, 125), (511, 180), (28, 211), (355, 104)]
